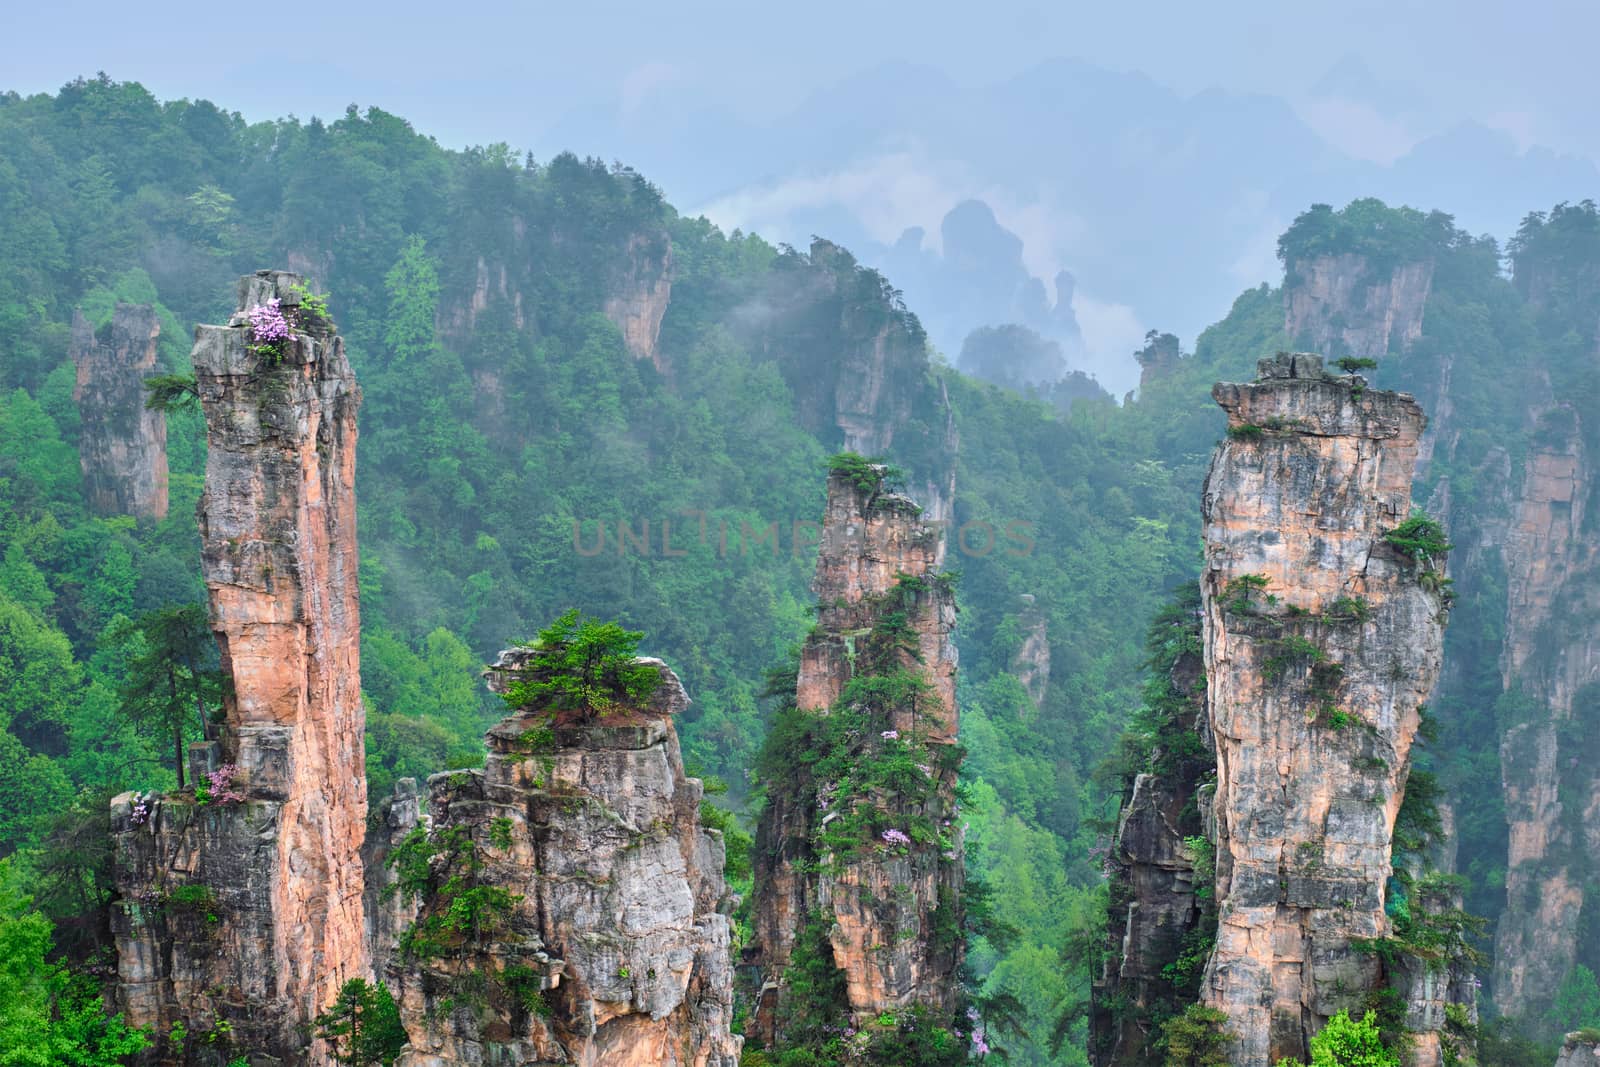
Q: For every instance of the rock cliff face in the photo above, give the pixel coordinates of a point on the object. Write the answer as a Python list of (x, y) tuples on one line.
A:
[(1552, 784), (1158, 357), (639, 294), (1528, 564), (887, 900), (1345, 305), (1030, 664), (1162, 916), (240, 917), (1321, 644), (123, 446), (874, 394), (388, 912), (599, 933)]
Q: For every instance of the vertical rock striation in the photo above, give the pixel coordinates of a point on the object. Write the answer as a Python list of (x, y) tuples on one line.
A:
[(1350, 305), (889, 912), (1030, 663), (600, 935), (1321, 644), (123, 446), (1161, 914), (1580, 1049), (240, 917), (1551, 662), (639, 292)]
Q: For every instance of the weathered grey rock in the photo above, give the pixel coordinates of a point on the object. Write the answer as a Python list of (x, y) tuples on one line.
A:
[(122, 447), (594, 829), (1161, 908), (1579, 1050), (387, 912), (638, 295), (1346, 306), (1313, 702), (1030, 664), (1551, 780)]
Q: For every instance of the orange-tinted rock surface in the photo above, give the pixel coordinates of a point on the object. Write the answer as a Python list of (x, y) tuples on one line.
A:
[(272, 875), (637, 298), (1321, 645), (123, 446), (882, 907)]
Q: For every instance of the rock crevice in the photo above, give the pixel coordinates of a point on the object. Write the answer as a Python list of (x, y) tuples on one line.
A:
[(886, 892)]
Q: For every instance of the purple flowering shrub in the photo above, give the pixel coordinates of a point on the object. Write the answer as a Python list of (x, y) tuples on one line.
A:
[(896, 839), (219, 787), (270, 329)]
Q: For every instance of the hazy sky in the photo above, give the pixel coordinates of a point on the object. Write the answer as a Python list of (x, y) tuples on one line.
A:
[(498, 70), (657, 85)]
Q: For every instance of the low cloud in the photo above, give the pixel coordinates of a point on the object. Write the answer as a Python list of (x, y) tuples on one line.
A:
[(886, 194), (1112, 333)]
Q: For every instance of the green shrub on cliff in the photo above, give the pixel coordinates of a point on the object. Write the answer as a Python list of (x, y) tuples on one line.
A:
[(1197, 1038), (582, 665), (1347, 1042), (1419, 537)]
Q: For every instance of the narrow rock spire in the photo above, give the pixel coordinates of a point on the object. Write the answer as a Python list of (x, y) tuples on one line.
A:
[(1322, 641), (240, 912)]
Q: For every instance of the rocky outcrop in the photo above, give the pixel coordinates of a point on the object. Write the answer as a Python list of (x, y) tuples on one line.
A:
[(1158, 358), (123, 445), (1321, 644), (1030, 663), (1552, 785), (599, 933), (637, 297), (239, 914), (1580, 1050), (874, 393), (1350, 305), (1161, 915), (389, 912), (875, 867)]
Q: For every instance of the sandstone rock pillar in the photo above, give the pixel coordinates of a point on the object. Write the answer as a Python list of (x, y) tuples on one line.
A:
[(123, 446), (891, 910), (601, 935), (1321, 644), (240, 914)]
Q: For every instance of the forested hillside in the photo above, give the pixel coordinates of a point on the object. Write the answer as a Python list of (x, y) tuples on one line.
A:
[(577, 398)]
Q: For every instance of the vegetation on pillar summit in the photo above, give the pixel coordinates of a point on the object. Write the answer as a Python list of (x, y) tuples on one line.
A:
[(582, 665), (871, 476)]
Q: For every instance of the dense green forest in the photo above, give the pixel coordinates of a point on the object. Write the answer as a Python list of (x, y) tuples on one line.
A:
[(518, 460)]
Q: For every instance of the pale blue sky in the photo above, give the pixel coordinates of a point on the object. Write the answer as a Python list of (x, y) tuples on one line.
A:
[(502, 70)]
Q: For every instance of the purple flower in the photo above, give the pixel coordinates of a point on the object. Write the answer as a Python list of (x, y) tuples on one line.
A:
[(895, 838), (891, 735), (141, 812), (269, 325), (221, 785)]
